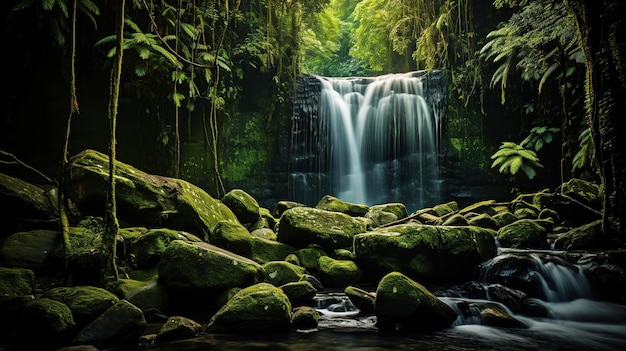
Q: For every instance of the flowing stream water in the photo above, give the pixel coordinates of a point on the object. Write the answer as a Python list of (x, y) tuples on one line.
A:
[(573, 320)]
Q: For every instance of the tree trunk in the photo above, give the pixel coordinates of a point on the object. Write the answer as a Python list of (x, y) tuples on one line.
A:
[(602, 27), (111, 225)]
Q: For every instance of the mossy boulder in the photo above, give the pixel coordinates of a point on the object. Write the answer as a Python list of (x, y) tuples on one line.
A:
[(486, 206), (265, 250), (15, 282), (85, 302), (144, 290), (424, 251), (233, 237), (282, 206), (33, 250), (586, 237), (485, 221), (177, 328), (397, 208), (362, 299), (380, 217), (305, 317), (446, 209), (301, 292), (258, 308), (189, 266), (587, 192), (46, 322), (279, 273), (403, 304), (504, 218), (145, 249), (301, 226), (524, 234), (338, 273), (243, 205), (331, 203), (309, 257), (119, 326), (143, 198)]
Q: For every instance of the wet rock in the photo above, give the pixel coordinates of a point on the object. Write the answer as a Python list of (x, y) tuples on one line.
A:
[(201, 267), (178, 327), (524, 234), (300, 292), (280, 273), (302, 226), (331, 203), (338, 273), (305, 317), (121, 325), (85, 302), (362, 299), (243, 205), (405, 305), (258, 308)]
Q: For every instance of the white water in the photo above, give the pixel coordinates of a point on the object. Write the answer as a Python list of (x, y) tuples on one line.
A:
[(382, 140)]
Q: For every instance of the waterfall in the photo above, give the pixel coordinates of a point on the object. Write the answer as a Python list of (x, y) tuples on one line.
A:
[(368, 140)]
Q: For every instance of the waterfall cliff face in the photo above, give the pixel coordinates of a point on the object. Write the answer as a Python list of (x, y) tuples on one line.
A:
[(368, 140)]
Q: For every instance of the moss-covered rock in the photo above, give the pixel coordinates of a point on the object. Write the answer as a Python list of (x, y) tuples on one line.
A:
[(485, 221), (144, 290), (265, 250), (331, 203), (380, 217), (455, 220), (243, 205), (233, 237), (338, 273), (119, 326), (305, 317), (504, 218), (584, 191), (301, 226), (362, 299), (15, 282), (397, 208), (258, 308), (424, 251), (177, 328), (486, 206), (32, 250), (309, 257), (300, 292), (85, 302), (282, 206), (264, 233), (586, 237), (404, 304), (446, 209), (46, 322), (146, 249), (154, 201), (524, 234), (279, 273), (187, 266)]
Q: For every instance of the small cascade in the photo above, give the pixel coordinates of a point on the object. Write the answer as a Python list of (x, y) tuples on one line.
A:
[(368, 140), (542, 275)]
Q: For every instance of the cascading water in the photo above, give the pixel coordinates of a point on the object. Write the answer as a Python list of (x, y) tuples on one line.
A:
[(369, 140)]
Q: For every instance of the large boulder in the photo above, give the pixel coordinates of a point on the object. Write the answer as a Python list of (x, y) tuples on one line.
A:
[(121, 325), (424, 251), (26, 206), (143, 198), (145, 249), (33, 250), (405, 305), (338, 273), (258, 308), (46, 323), (331, 203), (301, 226), (85, 302), (524, 234), (190, 269), (243, 205), (15, 282)]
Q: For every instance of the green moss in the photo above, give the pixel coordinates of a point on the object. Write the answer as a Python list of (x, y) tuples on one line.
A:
[(248, 150)]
